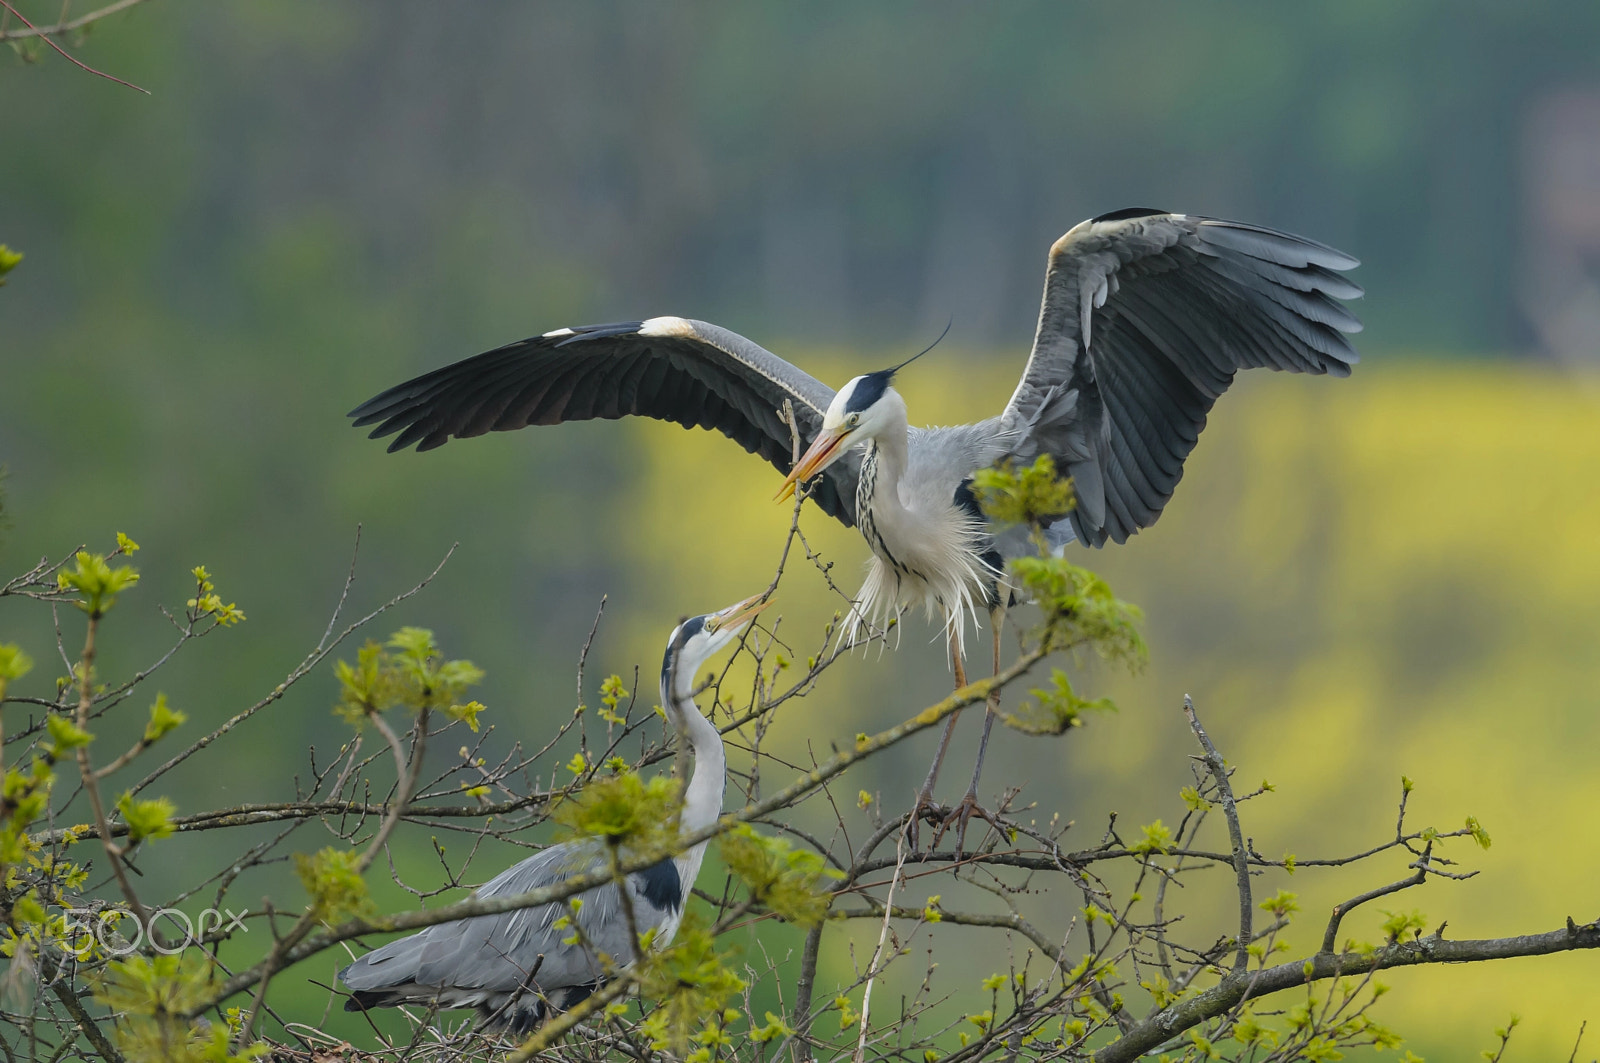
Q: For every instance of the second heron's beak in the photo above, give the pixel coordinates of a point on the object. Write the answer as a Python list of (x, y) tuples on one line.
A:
[(735, 617), (825, 450)]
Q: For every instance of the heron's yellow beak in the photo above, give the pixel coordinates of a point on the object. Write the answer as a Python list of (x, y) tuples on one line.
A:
[(825, 450), (736, 616)]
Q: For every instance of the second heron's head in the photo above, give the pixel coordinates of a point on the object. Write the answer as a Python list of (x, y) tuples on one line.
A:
[(863, 409), (694, 641)]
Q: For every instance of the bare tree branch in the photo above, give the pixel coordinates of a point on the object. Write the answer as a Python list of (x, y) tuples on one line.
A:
[(1221, 998)]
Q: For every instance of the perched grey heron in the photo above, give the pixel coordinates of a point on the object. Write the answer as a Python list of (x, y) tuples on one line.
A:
[(1146, 318), (517, 967)]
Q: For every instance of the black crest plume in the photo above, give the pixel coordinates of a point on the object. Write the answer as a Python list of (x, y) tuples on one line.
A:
[(872, 385)]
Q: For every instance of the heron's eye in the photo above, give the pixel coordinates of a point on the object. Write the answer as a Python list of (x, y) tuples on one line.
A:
[(711, 626), (855, 419)]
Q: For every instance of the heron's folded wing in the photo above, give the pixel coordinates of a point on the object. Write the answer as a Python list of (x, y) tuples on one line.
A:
[(668, 368), (500, 953), (1146, 318)]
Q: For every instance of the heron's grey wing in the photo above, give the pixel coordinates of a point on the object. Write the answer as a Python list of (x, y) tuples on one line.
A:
[(669, 368), (500, 953), (1146, 318), (468, 961), (471, 961)]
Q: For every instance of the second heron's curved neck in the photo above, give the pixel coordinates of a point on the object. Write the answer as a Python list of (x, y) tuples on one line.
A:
[(702, 798)]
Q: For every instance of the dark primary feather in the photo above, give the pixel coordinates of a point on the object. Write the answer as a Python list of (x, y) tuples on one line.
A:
[(700, 375), (1146, 318)]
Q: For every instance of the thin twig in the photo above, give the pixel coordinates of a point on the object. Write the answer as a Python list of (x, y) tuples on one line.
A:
[(1330, 936), (91, 786), (49, 39), (1241, 860), (312, 659), (873, 967), (67, 27)]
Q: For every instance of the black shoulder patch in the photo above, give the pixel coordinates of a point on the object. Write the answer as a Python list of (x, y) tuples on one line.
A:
[(868, 390), (596, 332), (1129, 212), (659, 885), (965, 499)]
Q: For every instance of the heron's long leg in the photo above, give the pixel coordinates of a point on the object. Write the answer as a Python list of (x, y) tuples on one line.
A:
[(924, 801), (969, 804), (997, 621)]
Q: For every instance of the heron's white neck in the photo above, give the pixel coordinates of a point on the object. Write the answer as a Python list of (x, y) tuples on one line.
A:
[(702, 798), (926, 551), (888, 438)]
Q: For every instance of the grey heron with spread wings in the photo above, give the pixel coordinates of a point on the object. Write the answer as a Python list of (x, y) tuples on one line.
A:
[(518, 967), (1146, 318)]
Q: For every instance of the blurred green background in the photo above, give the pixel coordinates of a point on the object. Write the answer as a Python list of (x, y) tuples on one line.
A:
[(1395, 573)]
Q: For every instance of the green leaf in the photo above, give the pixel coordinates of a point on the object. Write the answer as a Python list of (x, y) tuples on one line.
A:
[(1399, 923), (97, 581), (1033, 495), (788, 881), (27, 911), (1079, 609), (361, 686), (8, 262), (691, 982), (151, 994), (467, 713), (14, 664), (414, 676), (146, 819), (1160, 990), (1055, 709), (162, 719), (1157, 839), (774, 1029), (624, 809), (1281, 904), (65, 736), (330, 876), (1479, 835), (207, 603), (612, 691)]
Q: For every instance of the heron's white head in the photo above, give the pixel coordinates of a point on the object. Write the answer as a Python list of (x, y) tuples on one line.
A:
[(863, 409), (697, 639)]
